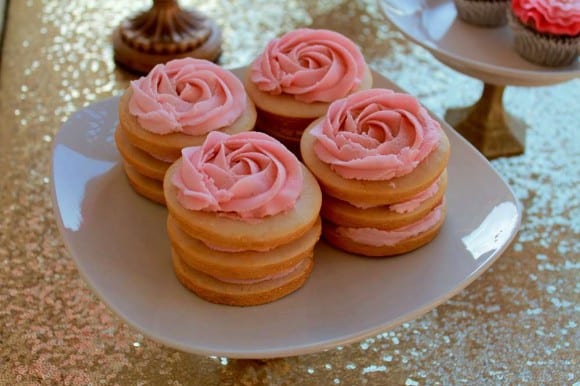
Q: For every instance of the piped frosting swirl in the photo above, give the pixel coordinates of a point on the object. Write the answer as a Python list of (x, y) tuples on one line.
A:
[(189, 96), (250, 175), (375, 135), (556, 17), (312, 65)]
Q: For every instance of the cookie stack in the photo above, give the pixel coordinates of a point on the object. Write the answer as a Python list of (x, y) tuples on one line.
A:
[(297, 76), (243, 219), (176, 105), (381, 162)]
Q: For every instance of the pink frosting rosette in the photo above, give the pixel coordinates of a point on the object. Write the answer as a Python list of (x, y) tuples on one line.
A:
[(376, 135), (312, 65), (557, 17), (189, 96), (249, 174)]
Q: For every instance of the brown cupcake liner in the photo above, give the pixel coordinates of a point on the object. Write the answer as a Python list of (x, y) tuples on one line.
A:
[(543, 49), (490, 13)]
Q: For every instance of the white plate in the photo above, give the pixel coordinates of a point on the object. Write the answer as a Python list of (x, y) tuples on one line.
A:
[(484, 53), (118, 242)]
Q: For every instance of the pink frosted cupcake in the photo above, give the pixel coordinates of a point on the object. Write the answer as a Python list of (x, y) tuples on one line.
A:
[(546, 32), (297, 77)]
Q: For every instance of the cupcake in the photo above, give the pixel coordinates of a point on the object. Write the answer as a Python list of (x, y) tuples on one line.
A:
[(546, 32), (174, 106), (243, 219), (381, 160), (484, 13), (297, 77)]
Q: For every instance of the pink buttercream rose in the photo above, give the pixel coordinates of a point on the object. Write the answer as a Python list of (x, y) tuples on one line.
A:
[(375, 134), (249, 174), (312, 65), (557, 17), (188, 96)]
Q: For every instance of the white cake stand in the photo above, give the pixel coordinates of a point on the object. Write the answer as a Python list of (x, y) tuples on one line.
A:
[(482, 53)]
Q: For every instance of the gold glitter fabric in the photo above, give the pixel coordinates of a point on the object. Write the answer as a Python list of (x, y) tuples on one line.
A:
[(516, 324)]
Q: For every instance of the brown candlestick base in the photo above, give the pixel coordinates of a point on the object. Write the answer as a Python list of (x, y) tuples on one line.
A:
[(163, 33), (493, 131)]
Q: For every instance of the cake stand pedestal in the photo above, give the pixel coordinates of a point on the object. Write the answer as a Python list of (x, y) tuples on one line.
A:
[(165, 32), (488, 126)]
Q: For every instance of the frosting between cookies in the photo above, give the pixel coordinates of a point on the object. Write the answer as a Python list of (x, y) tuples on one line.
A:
[(219, 248), (379, 238), (409, 205), (375, 134), (189, 96), (557, 17), (311, 65), (415, 201), (248, 174), (277, 275)]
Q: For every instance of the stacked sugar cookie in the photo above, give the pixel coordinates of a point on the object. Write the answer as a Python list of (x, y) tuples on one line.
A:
[(381, 162), (176, 105), (243, 219), (297, 76)]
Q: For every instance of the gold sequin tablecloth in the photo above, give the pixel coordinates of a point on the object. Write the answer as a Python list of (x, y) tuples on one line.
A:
[(516, 324)]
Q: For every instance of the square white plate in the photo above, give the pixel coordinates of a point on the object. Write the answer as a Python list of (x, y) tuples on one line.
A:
[(119, 244)]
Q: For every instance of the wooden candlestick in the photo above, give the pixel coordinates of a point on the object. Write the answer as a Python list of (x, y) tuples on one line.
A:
[(162, 33)]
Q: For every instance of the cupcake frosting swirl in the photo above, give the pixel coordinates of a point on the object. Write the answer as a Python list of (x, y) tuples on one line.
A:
[(250, 175), (311, 65), (376, 135), (189, 96), (557, 17)]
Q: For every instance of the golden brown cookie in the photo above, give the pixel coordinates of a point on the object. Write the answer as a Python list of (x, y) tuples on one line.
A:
[(142, 162), (286, 106), (381, 217), (229, 232), (236, 294), (145, 186), (241, 265), (168, 147), (335, 238), (375, 193), (285, 118)]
